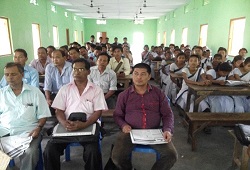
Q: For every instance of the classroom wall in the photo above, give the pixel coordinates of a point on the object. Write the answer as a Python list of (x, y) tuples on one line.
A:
[(22, 14), (120, 29), (217, 14)]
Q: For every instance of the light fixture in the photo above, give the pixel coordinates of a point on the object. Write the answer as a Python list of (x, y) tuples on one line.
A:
[(53, 8), (66, 14), (34, 2), (138, 21), (101, 21)]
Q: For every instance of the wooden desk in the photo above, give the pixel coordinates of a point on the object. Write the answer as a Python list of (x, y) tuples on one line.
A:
[(124, 80), (201, 92)]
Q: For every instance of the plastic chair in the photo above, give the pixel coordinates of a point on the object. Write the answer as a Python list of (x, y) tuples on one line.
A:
[(67, 150), (146, 149), (39, 165)]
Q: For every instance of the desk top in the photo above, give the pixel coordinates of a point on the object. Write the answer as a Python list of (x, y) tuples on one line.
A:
[(220, 88), (128, 77), (174, 75)]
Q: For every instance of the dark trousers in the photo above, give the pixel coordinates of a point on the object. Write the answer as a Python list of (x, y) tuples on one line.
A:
[(121, 154), (53, 151)]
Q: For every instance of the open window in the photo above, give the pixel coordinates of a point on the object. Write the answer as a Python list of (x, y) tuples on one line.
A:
[(5, 42), (184, 36), (36, 38), (172, 37), (236, 35), (203, 35), (55, 36)]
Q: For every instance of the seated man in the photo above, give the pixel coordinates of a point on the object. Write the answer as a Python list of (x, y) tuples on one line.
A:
[(78, 96), (74, 54), (42, 61), (105, 78), (143, 106), (120, 65), (57, 74), (23, 109), (31, 76)]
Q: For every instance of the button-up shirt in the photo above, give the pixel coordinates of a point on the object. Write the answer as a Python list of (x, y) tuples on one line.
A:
[(106, 81), (54, 80), (144, 111), (21, 113), (125, 67), (36, 64), (91, 100), (31, 77)]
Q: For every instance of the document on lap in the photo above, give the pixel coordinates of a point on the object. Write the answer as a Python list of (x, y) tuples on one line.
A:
[(15, 145), (59, 130), (147, 136)]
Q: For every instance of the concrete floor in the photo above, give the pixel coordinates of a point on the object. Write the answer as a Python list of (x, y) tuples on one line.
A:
[(214, 151)]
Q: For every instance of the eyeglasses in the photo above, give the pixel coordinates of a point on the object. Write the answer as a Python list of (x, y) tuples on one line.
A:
[(78, 69)]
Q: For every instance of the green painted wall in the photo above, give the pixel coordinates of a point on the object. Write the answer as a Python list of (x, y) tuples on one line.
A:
[(121, 28), (217, 14), (22, 14)]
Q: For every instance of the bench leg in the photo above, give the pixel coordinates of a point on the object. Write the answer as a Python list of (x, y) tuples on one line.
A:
[(244, 159), (236, 154), (191, 134)]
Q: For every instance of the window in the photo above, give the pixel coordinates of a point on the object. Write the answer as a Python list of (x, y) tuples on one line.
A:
[(165, 38), (5, 43), (158, 38), (55, 36), (36, 38), (76, 35), (184, 36), (172, 37), (236, 35), (82, 38), (203, 35)]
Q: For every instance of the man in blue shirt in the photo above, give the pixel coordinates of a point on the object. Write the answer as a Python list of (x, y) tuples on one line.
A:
[(23, 111), (57, 74), (31, 75)]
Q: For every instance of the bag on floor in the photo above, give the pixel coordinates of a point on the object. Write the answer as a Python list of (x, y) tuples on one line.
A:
[(242, 132)]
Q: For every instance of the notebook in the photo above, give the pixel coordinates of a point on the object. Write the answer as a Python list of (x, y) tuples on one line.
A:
[(59, 130)]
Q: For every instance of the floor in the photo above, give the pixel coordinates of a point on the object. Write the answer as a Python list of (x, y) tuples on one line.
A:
[(214, 151)]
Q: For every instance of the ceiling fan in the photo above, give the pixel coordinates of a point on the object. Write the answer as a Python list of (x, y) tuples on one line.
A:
[(145, 4), (91, 4), (98, 11)]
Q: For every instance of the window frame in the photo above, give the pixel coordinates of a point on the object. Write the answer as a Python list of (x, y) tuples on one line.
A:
[(9, 38)]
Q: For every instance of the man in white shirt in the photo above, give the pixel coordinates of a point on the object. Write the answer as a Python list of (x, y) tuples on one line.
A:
[(105, 78), (120, 65)]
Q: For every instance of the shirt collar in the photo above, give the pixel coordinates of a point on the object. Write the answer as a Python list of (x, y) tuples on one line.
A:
[(121, 60), (24, 88), (132, 89)]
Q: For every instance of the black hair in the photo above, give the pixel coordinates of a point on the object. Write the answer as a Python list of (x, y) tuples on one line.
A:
[(18, 65), (225, 66), (195, 56), (92, 45), (65, 47), (181, 53), (199, 47), (237, 58), (247, 60), (98, 48), (104, 53), (83, 47), (243, 49), (222, 49), (52, 47), (22, 51), (43, 49), (217, 56), (92, 36), (61, 51), (82, 60), (142, 65), (74, 48), (117, 47)]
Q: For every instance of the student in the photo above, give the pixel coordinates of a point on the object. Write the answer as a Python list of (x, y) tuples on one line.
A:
[(237, 61), (223, 52), (243, 52), (216, 60), (120, 65), (174, 84), (192, 75), (204, 61), (145, 55), (218, 76), (74, 54), (242, 73), (50, 49)]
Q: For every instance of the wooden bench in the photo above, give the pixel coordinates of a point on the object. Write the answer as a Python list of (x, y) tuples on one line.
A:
[(199, 120), (240, 156), (108, 113)]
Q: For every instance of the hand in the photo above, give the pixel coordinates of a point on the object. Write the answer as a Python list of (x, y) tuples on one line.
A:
[(167, 136), (126, 129), (208, 82), (222, 82), (35, 133), (121, 74), (75, 125), (49, 102)]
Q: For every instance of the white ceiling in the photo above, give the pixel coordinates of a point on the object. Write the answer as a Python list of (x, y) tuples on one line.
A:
[(120, 9)]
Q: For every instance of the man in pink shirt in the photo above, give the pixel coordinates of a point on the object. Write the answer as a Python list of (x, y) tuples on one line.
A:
[(79, 95)]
